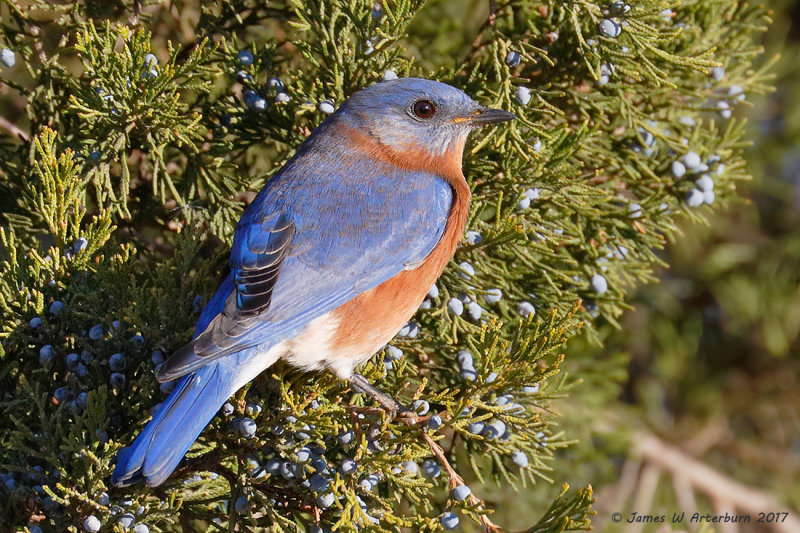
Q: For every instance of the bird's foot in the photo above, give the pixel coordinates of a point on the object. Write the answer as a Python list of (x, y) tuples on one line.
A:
[(389, 404)]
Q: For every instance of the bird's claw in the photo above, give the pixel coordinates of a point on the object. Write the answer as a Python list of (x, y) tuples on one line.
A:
[(405, 412)]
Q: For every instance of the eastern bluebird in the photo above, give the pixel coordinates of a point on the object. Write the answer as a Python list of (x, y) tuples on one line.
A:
[(329, 261)]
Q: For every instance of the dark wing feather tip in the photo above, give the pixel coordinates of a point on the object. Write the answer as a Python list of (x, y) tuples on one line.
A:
[(256, 271)]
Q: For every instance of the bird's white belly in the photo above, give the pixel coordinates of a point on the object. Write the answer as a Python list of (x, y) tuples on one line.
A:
[(314, 348)]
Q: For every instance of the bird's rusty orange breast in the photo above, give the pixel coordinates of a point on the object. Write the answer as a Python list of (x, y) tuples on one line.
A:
[(373, 317)]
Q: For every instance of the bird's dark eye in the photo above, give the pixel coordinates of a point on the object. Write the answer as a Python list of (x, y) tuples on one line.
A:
[(424, 109)]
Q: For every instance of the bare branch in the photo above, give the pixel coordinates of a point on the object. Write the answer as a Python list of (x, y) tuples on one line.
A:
[(137, 10), (13, 129), (707, 480)]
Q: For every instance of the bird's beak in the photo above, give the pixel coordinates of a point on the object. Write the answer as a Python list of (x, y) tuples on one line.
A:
[(484, 115)]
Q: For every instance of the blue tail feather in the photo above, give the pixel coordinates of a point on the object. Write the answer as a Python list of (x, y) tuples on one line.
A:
[(162, 444)]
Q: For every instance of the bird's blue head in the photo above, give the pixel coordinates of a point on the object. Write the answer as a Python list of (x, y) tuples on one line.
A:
[(417, 116)]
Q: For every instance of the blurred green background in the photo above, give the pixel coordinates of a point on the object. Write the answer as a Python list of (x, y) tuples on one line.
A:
[(694, 404), (706, 366)]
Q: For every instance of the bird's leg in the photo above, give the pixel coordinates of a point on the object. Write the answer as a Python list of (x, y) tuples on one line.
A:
[(391, 405), (361, 384)]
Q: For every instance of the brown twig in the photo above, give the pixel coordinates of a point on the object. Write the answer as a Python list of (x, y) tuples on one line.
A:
[(492, 12), (456, 480), (410, 418), (208, 461), (366, 410), (37, 45), (489, 22), (13, 129), (32, 28), (137, 10), (645, 492)]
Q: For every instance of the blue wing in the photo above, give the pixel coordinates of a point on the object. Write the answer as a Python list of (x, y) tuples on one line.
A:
[(307, 245)]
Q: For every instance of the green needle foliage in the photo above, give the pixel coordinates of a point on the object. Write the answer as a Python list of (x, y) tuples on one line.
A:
[(139, 134)]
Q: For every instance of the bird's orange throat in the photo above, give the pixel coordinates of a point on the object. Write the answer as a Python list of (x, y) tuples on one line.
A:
[(415, 158)]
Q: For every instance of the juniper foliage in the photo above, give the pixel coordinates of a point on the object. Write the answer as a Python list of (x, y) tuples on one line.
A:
[(150, 128)]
